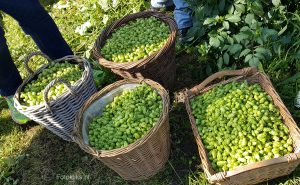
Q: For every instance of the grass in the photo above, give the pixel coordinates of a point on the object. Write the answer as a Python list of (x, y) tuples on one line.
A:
[(43, 158), (33, 155)]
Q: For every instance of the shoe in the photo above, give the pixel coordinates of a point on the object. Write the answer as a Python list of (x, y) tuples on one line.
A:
[(182, 34), (152, 8), (163, 9), (15, 114), (170, 8)]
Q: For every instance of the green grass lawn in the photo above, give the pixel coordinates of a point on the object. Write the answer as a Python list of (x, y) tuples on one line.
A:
[(33, 155)]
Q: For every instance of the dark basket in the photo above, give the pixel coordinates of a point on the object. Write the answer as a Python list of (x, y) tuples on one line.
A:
[(159, 66)]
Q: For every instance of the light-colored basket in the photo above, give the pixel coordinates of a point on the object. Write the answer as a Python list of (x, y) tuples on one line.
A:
[(58, 115), (160, 66), (141, 159), (256, 172)]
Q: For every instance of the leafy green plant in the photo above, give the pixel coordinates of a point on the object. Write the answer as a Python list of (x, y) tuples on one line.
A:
[(239, 33), (102, 76), (288, 90), (7, 169), (285, 62)]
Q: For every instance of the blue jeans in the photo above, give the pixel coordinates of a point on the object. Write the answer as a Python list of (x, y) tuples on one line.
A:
[(36, 22), (182, 12)]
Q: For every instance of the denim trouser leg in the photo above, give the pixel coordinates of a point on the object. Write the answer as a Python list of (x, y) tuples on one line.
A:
[(36, 22), (9, 75), (182, 14)]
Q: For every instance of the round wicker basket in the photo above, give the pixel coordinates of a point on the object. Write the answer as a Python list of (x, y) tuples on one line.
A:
[(58, 115), (141, 159), (159, 66)]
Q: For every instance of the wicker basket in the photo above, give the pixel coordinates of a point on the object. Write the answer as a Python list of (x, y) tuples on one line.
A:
[(159, 66), (58, 115), (141, 159), (256, 172)]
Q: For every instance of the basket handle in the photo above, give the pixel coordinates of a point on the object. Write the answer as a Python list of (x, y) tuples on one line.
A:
[(51, 84), (129, 75), (76, 59), (27, 59), (70, 58), (138, 76), (221, 74)]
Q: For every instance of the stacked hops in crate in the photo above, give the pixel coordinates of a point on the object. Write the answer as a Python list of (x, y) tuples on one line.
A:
[(239, 125), (245, 134)]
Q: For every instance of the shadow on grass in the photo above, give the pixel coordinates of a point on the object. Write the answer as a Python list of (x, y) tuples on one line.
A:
[(189, 72)]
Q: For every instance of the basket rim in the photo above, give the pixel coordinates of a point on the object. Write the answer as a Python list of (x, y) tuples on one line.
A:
[(214, 176), (77, 134), (106, 33), (85, 74)]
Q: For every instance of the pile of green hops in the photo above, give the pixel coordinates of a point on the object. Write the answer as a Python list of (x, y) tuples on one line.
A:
[(126, 119), (136, 40), (239, 124), (33, 93)]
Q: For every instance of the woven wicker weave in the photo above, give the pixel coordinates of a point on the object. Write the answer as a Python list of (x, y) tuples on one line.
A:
[(58, 115), (259, 171), (159, 66), (141, 159)]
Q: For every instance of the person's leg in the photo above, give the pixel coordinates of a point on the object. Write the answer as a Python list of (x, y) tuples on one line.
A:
[(36, 22), (183, 16), (10, 79), (9, 75)]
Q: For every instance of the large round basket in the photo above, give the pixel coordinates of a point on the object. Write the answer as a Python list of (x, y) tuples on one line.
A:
[(159, 66), (141, 159), (255, 172), (58, 115)]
